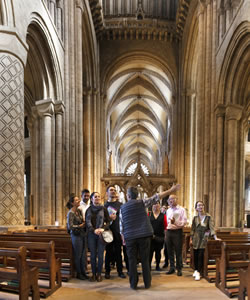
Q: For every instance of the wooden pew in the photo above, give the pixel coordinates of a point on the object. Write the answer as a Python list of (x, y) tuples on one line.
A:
[(233, 257), (26, 277), (63, 247), (244, 288), (185, 245), (213, 251), (41, 255)]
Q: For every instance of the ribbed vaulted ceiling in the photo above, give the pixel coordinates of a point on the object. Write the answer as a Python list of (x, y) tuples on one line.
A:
[(139, 97)]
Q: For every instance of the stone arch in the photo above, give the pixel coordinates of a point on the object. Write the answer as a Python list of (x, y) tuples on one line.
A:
[(235, 75), (43, 97), (236, 68)]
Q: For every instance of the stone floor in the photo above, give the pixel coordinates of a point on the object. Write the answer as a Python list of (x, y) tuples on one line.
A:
[(163, 287)]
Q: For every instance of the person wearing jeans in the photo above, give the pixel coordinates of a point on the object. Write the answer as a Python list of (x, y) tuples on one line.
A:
[(76, 228), (97, 220)]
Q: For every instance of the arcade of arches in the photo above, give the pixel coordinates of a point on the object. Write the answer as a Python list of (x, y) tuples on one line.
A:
[(134, 92)]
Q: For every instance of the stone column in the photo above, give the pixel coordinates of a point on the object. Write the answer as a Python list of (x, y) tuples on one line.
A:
[(233, 115), (59, 110), (212, 190), (207, 100), (200, 106), (95, 140), (220, 115), (189, 171), (88, 139), (45, 109), (79, 97), (11, 140)]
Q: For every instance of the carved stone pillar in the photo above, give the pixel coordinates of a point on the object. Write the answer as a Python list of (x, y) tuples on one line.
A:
[(11, 140), (45, 109), (200, 105), (95, 139), (190, 160), (59, 110), (220, 115), (79, 97), (233, 115)]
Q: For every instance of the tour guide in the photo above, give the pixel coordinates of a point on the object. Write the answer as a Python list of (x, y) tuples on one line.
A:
[(136, 231)]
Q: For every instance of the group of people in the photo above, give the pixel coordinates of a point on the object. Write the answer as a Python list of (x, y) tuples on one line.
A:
[(137, 232)]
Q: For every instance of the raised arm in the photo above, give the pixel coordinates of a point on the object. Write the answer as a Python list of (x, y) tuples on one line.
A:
[(173, 189)]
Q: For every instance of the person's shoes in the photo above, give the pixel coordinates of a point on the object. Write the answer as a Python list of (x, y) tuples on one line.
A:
[(165, 266), (85, 276), (92, 278), (147, 286), (107, 275), (80, 276), (133, 287), (99, 278), (158, 269), (195, 272), (122, 275), (171, 271), (179, 273), (197, 276)]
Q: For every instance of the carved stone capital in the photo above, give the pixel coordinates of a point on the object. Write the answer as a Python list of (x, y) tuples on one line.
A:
[(45, 107), (59, 107), (188, 92), (233, 112), (87, 91), (95, 91), (220, 110)]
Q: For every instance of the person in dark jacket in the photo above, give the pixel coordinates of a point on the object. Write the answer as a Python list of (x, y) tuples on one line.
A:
[(113, 250), (137, 232), (97, 220), (158, 221)]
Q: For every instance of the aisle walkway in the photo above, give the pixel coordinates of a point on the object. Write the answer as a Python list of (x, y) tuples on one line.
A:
[(164, 287)]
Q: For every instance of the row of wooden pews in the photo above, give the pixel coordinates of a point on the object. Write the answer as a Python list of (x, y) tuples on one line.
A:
[(42, 256), (224, 260), (234, 257), (63, 246), (48, 251), (25, 278)]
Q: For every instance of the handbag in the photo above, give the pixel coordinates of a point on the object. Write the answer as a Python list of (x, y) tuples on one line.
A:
[(76, 231), (107, 236)]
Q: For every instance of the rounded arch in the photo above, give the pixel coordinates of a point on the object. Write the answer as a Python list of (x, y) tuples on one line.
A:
[(235, 71), (43, 75), (90, 68)]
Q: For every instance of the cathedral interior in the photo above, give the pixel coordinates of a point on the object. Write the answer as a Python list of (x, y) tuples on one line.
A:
[(124, 92)]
